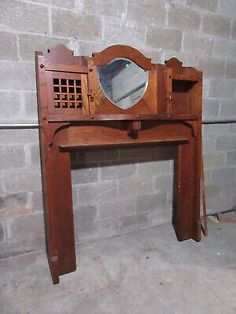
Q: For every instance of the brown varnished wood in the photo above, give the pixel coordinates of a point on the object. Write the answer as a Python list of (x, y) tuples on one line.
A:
[(87, 136), (100, 104), (120, 51), (74, 113)]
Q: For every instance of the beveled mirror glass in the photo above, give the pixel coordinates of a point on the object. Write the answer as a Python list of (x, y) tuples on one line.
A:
[(123, 82)]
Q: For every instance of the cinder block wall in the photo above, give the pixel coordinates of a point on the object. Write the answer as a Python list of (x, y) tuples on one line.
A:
[(114, 191)]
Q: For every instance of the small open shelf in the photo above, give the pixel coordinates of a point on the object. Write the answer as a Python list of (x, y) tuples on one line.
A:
[(184, 97)]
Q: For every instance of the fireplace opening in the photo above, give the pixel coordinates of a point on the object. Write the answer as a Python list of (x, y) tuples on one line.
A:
[(121, 190)]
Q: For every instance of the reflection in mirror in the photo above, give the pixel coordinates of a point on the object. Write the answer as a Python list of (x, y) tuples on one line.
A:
[(123, 82)]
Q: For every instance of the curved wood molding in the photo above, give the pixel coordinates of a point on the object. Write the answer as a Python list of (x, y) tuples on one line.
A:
[(121, 51)]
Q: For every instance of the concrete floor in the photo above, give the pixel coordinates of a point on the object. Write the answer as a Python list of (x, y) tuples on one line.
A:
[(146, 272)]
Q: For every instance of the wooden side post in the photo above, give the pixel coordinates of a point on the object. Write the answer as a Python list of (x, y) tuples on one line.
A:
[(186, 218), (58, 211)]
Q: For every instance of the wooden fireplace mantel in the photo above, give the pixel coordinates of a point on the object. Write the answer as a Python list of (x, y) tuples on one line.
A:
[(74, 113)]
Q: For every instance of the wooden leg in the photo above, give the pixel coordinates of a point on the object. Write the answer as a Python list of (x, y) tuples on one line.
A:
[(186, 217), (58, 212)]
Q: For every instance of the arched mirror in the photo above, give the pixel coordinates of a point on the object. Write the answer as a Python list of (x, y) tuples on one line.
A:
[(123, 82)]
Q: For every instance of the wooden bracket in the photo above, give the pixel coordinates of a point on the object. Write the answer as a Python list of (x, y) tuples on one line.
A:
[(132, 128)]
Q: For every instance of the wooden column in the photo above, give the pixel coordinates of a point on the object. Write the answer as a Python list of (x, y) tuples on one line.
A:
[(58, 212), (186, 212)]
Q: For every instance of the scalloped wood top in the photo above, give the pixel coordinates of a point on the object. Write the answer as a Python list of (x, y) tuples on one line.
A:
[(61, 54), (119, 51), (173, 63)]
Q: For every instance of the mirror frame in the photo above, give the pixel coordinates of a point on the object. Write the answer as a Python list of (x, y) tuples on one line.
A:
[(99, 102)]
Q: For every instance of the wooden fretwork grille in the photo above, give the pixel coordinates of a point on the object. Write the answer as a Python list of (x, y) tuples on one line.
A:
[(67, 93)]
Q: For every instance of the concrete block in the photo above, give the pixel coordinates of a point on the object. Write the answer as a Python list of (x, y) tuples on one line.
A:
[(86, 213), (120, 170), (105, 7), (117, 208), (69, 4), (91, 231), (209, 143), (10, 106), (135, 185), (97, 192), (33, 155), (137, 153), (222, 88), (227, 8), (188, 58), (40, 1), (87, 48), (126, 33), (232, 127), (215, 129), (211, 67), (231, 70), (31, 43), (202, 45), (132, 223), (225, 48), (208, 173), (151, 202), (20, 76), (10, 137), (30, 106), (25, 234), (164, 38), (183, 18), (210, 108), (26, 17), (205, 87), (228, 108), (36, 201), (2, 231), (75, 195), (12, 157), (151, 12), (160, 216), (224, 176), (20, 227), (231, 158), (84, 175), (233, 31), (155, 54), (13, 201), (212, 191), (216, 25), (164, 183), (226, 142), (26, 181), (208, 5), (8, 46), (67, 23), (214, 160), (154, 168), (215, 202)]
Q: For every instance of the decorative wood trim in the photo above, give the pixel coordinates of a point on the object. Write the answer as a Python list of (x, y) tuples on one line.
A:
[(121, 51)]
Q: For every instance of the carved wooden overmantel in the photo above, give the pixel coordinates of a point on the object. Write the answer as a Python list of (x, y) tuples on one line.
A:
[(81, 105)]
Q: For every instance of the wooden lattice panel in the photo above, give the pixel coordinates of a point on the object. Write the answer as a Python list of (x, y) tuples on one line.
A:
[(68, 93)]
